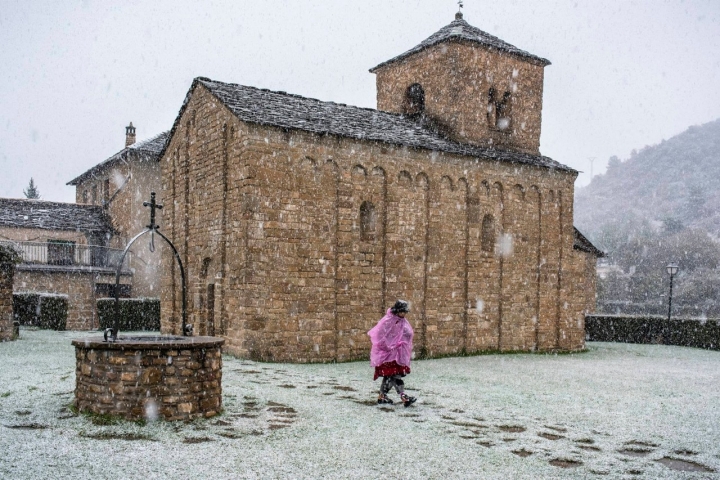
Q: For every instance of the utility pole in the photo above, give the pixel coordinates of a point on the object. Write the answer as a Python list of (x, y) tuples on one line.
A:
[(592, 159)]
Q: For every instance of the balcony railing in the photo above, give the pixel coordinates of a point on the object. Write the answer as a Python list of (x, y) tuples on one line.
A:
[(64, 253)]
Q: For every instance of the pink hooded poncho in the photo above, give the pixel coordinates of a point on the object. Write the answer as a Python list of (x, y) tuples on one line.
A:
[(391, 341)]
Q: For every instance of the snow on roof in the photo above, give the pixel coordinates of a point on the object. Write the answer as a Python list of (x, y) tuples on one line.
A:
[(580, 242), (283, 110), (149, 149), (25, 213), (461, 31)]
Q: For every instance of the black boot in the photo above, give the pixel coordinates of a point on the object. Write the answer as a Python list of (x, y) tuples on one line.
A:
[(407, 400), (383, 399)]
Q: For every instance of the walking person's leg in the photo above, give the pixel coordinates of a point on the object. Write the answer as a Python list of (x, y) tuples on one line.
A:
[(399, 385), (385, 387), (396, 382)]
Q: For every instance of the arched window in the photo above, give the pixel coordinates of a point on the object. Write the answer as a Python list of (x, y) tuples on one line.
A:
[(487, 235), (368, 221), (491, 107), (415, 99), (498, 110), (502, 112)]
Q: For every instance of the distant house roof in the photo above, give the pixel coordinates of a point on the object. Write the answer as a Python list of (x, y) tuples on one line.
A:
[(461, 31), (584, 245), (283, 110), (24, 213), (149, 149)]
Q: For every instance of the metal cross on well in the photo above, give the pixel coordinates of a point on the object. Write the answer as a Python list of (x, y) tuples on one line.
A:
[(153, 205), (460, 5)]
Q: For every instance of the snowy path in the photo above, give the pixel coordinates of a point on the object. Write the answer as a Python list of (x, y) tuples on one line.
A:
[(616, 411)]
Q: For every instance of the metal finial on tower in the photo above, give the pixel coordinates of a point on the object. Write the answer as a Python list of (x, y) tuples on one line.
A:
[(459, 15)]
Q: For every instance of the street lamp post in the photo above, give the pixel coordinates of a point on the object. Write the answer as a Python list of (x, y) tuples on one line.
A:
[(672, 269)]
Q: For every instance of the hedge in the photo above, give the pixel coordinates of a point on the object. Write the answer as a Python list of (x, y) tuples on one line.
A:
[(699, 333), (44, 310), (135, 314)]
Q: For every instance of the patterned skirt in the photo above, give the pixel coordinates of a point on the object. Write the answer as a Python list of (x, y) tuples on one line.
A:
[(388, 369)]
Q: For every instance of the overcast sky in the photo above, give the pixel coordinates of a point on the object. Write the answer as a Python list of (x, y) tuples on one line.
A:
[(73, 74)]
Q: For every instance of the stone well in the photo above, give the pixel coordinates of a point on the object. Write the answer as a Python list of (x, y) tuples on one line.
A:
[(149, 377)]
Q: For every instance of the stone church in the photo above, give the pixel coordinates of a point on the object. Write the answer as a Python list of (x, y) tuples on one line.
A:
[(300, 221)]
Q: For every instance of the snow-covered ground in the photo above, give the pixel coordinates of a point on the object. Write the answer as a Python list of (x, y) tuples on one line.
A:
[(616, 410)]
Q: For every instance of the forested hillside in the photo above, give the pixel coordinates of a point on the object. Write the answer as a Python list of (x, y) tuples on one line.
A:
[(676, 181), (660, 206)]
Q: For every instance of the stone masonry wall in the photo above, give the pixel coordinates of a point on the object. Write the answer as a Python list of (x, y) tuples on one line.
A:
[(582, 299), (79, 286), (142, 381), (7, 270), (269, 225), (456, 78), (130, 185)]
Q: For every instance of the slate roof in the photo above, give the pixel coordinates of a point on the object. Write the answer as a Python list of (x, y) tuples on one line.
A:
[(584, 245), (149, 149), (283, 110), (461, 31), (24, 213)]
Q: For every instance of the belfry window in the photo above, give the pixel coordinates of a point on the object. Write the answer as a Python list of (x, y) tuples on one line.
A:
[(368, 221), (415, 99), (498, 110)]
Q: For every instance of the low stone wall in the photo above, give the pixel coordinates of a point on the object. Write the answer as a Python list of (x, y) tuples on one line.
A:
[(7, 270), (77, 284), (173, 378), (699, 333)]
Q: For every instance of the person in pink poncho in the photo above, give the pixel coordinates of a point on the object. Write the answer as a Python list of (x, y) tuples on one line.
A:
[(391, 352)]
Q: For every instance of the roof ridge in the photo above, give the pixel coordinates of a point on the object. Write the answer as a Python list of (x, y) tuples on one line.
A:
[(138, 147), (295, 95), (295, 112), (146, 141), (53, 202), (468, 33)]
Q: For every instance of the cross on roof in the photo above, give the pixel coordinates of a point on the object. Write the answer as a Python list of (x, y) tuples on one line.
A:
[(152, 206)]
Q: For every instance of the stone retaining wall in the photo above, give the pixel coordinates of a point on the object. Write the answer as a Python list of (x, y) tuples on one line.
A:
[(173, 380)]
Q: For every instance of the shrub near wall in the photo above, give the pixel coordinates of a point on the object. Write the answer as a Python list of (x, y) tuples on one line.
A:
[(44, 310), (699, 333), (135, 313), (25, 308)]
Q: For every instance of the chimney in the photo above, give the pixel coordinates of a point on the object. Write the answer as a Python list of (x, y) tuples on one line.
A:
[(129, 135)]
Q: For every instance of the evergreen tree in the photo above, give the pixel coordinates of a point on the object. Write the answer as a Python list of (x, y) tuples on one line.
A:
[(32, 191)]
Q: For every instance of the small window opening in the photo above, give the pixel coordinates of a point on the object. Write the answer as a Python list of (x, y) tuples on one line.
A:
[(487, 235), (210, 314), (368, 221), (94, 195), (415, 99), (106, 190), (85, 196), (498, 110)]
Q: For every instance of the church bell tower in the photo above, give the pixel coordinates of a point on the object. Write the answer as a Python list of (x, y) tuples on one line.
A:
[(468, 86)]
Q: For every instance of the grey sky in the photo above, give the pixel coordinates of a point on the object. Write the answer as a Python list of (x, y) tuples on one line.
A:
[(624, 74)]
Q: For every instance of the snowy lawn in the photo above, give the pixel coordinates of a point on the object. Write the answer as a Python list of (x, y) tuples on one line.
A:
[(617, 410)]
